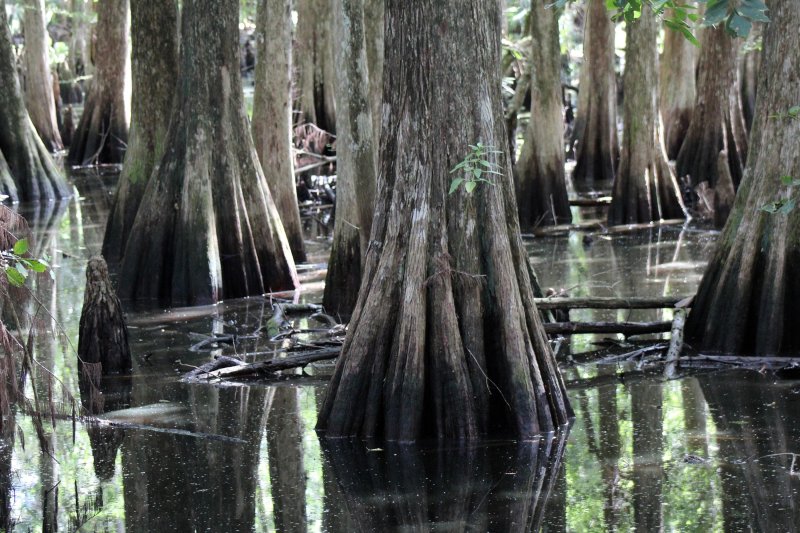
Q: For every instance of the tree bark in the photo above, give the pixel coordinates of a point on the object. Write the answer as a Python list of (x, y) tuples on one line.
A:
[(677, 88), (749, 298), (445, 340), (645, 189), (102, 133), (749, 66), (79, 56), (355, 157), (26, 170), (154, 35), (315, 71), (210, 229), (539, 172), (595, 131), (272, 114), (374, 11), (717, 115), (38, 80)]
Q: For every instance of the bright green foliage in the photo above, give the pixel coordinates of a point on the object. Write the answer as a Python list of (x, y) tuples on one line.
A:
[(476, 168), (783, 206), (17, 267)]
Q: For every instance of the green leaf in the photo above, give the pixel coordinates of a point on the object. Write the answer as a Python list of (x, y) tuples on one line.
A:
[(22, 270), (772, 207), (36, 266), (477, 173), (794, 111), (786, 180), (739, 25), (470, 186), (454, 185), (15, 278), (716, 12), (20, 247), (787, 207)]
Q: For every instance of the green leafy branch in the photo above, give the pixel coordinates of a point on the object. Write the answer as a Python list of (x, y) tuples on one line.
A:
[(792, 112), (783, 206), (475, 167), (17, 267)]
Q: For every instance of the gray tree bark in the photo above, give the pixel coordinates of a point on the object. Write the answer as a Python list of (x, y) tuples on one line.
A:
[(38, 79), (154, 36), (645, 188), (210, 229), (355, 156), (79, 50), (272, 114), (540, 181), (677, 88), (26, 170), (749, 298), (717, 123), (315, 70), (102, 133), (595, 131), (445, 340)]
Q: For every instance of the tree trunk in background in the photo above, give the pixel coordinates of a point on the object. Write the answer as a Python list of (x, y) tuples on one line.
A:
[(356, 158), (595, 131), (38, 80), (446, 301), (26, 170), (749, 64), (539, 172), (272, 114), (315, 71), (645, 188), (374, 11), (79, 55), (749, 298), (154, 35), (210, 229), (713, 125), (102, 134), (677, 88)]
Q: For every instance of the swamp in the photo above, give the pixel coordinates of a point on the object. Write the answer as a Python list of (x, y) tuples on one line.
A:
[(399, 265)]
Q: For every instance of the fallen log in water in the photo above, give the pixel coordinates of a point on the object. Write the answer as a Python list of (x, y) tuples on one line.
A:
[(614, 302), (601, 201), (675, 343), (274, 365), (626, 328), (599, 226)]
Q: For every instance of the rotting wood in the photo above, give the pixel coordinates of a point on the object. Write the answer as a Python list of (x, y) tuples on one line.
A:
[(675, 343), (626, 328), (614, 302)]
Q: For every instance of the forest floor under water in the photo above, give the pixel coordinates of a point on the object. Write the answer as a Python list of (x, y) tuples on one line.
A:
[(709, 451)]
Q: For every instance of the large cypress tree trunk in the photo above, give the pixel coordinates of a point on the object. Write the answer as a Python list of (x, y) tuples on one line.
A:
[(272, 114), (749, 65), (79, 56), (717, 117), (445, 339), (38, 80), (677, 88), (102, 133), (373, 32), (539, 173), (749, 299), (210, 229), (26, 170), (356, 158), (645, 188), (595, 131), (315, 70), (154, 35)]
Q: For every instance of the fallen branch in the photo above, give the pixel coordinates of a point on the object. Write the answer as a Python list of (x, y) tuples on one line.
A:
[(275, 365), (222, 361), (608, 302), (626, 328), (675, 343), (601, 201)]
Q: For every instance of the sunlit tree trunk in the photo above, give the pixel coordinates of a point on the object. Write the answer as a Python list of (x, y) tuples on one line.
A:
[(677, 88), (355, 157), (595, 131), (445, 340), (102, 133), (717, 120), (272, 114), (539, 172), (26, 170), (154, 35), (645, 188), (38, 80), (210, 229), (749, 298)]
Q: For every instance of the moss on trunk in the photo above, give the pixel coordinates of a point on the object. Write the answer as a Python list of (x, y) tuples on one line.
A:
[(210, 229)]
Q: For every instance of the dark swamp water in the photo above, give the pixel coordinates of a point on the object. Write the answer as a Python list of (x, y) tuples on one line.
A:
[(712, 451)]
